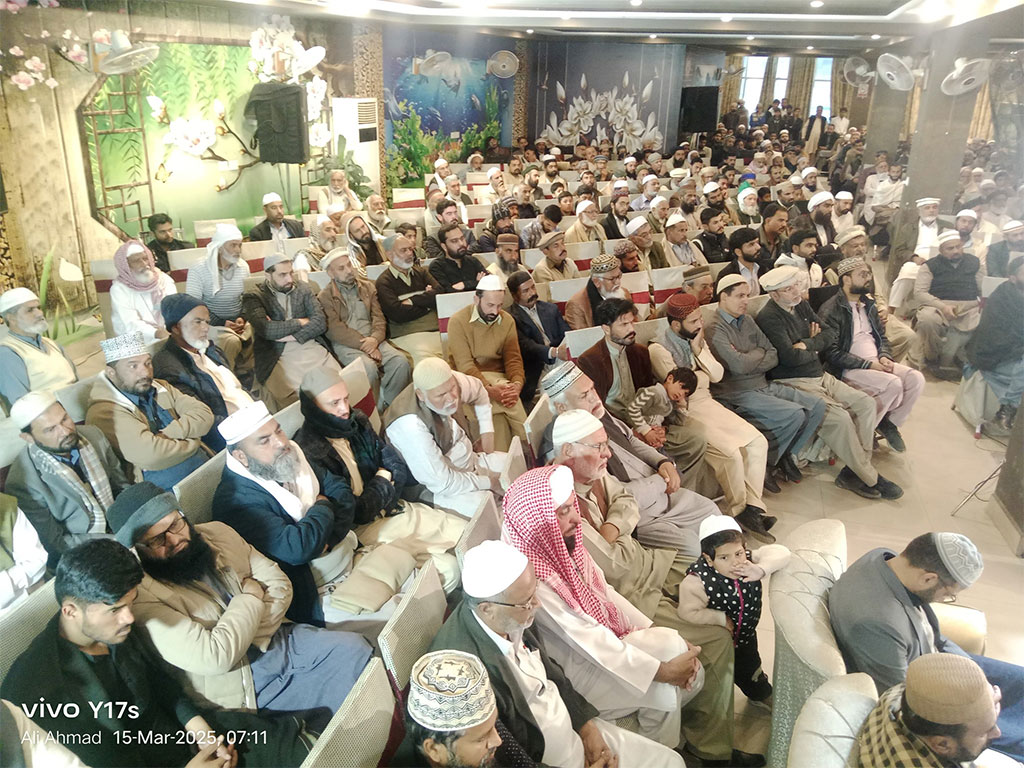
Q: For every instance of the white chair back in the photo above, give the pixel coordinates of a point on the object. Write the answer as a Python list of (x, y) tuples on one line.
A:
[(536, 422), (450, 303), (666, 281), (75, 398), (318, 281), (650, 330), (204, 229), (195, 491), (609, 245), (485, 525), (290, 419), (579, 341), (413, 625), (373, 271), (638, 285), (22, 622), (185, 258), (531, 257), (295, 244), (563, 290)]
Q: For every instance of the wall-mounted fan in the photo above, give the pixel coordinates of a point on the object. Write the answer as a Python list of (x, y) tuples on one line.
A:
[(432, 63), (897, 73), (125, 57), (857, 71), (967, 75), (503, 64)]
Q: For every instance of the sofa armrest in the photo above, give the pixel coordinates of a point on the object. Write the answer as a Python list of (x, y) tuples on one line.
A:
[(967, 627)]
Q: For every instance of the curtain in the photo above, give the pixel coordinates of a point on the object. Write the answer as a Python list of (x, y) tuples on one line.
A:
[(981, 121), (801, 80), (730, 91), (842, 91), (768, 86)]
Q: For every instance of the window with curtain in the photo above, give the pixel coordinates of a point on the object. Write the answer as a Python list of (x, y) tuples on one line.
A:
[(781, 77), (821, 88), (754, 68)]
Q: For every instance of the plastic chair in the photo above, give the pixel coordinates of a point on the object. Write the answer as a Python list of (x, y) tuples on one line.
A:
[(485, 525), (75, 398), (22, 622), (195, 491), (412, 627)]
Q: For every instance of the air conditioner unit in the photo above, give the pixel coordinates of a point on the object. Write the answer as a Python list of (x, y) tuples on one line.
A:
[(356, 120)]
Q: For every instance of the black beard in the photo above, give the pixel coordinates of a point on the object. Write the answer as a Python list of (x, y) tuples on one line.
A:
[(504, 230), (860, 290), (570, 543), (719, 206), (688, 207), (821, 218), (688, 335), (195, 562), (366, 242)]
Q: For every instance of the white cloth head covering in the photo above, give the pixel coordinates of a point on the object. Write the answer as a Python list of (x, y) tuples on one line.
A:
[(970, 213), (849, 234), (243, 422), (562, 485), (635, 224), (628, 160), (271, 197), (489, 568), (674, 219), (657, 199), (490, 282), (960, 556), (729, 281), (927, 201), (844, 195), (716, 524), (678, 173), (946, 235), (620, 183), (582, 205), (493, 171), (123, 346), (224, 232), (450, 691), (548, 158), (440, 162), (334, 208), (648, 177), (1010, 226), (808, 171), (817, 199), (796, 180), (780, 277), (746, 192), (430, 372), (574, 425), (31, 405), (15, 297)]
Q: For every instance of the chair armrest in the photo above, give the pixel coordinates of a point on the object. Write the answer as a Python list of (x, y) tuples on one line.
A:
[(967, 627)]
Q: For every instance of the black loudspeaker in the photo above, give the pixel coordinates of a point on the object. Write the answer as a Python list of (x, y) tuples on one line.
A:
[(698, 109), (279, 110)]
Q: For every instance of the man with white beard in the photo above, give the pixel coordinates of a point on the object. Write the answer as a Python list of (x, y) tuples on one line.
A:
[(136, 292), (747, 212), (497, 188), (30, 361), (677, 248), (605, 283), (377, 214), (190, 363)]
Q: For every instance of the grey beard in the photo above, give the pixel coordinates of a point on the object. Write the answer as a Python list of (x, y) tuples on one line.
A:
[(507, 267), (283, 470)]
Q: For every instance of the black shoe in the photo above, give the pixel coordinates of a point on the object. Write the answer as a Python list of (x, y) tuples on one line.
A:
[(751, 521), (769, 481), (887, 488), (738, 760), (948, 373), (847, 480), (892, 435), (789, 468), (1004, 417), (759, 690), (768, 520)]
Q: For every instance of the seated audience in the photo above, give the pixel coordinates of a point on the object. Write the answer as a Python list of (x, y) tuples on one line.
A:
[(323, 237), (442, 170), (92, 659), (547, 221), (545, 714), (189, 362), (744, 247), (541, 330), (364, 245), (652, 255), (605, 283), (649, 188), (615, 220), (658, 214), (587, 226), (1000, 254), (162, 228), (225, 649), (377, 214), (288, 326), (447, 216), (275, 226), (356, 328), (997, 347), (500, 224), (407, 293), (913, 234), (136, 292), (803, 248), (848, 428), (773, 234), (842, 212), (152, 426), (787, 417), (628, 255), (483, 343), (882, 618), (23, 562), (66, 478), (337, 192), (713, 243), (455, 268), (678, 249), (218, 282), (556, 264), (859, 353), (506, 259), (428, 427), (29, 360), (496, 188)]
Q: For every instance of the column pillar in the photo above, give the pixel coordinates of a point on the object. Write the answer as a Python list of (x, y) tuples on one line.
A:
[(368, 78), (885, 119)]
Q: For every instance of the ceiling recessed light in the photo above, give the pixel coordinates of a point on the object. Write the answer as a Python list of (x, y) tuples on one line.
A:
[(636, 3), (816, 3), (876, 37), (750, 37), (652, 36), (529, 31), (810, 47), (726, 19), (566, 17)]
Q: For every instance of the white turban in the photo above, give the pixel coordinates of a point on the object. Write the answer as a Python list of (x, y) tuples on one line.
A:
[(29, 407), (489, 568), (243, 422), (817, 199), (223, 233)]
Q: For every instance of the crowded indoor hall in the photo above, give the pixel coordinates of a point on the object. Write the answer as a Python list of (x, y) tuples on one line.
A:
[(616, 384)]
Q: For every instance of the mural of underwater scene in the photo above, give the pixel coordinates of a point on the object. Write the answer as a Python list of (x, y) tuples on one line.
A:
[(444, 94), (627, 93)]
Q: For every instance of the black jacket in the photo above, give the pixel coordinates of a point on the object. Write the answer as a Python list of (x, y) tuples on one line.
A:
[(175, 366), (784, 329), (837, 315), (433, 246), (531, 343), (262, 230), (998, 259), (611, 227), (447, 272), (160, 251), (999, 337), (714, 247)]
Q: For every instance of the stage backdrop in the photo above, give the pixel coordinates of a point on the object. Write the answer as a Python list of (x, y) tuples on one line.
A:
[(441, 97)]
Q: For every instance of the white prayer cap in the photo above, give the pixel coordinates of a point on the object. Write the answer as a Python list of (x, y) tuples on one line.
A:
[(711, 186), (635, 224), (224, 232), (648, 177), (30, 406), (844, 195), (1010, 226), (493, 171), (15, 297), (675, 218), (960, 556), (817, 199), (808, 171), (271, 197), (571, 426), (620, 184), (560, 378), (548, 158), (747, 192), (440, 162), (134, 248), (489, 568), (582, 205), (123, 346), (243, 422), (334, 253), (946, 235), (759, 155), (678, 173), (275, 258), (490, 282), (431, 372), (780, 277), (334, 208), (716, 524), (849, 234), (629, 159), (562, 485), (475, 154), (450, 691), (657, 199), (557, 152), (729, 281), (979, 169), (970, 213), (796, 180), (927, 201)]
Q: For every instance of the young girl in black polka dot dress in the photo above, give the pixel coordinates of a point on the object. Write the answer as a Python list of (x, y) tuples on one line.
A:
[(723, 588)]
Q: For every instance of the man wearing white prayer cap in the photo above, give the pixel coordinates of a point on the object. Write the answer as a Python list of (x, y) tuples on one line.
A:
[(275, 226), (842, 212), (494, 622), (629, 164), (678, 251), (1002, 253), (67, 477), (483, 343), (288, 327), (428, 426), (658, 214), (496, 189), (947, 292), (30, 361), (337, 192), (441, 172), (218, 281), (451, 718), (649, 186), (152, 425), (914, 232), (966, 223), (809, 176), (652, 253), (587, 226)]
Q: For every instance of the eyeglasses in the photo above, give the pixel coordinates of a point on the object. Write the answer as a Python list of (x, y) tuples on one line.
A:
[(520, 606), (160, 539), (599, 447)]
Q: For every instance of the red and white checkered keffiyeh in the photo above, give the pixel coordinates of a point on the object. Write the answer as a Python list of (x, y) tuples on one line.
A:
[(531, 527)]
